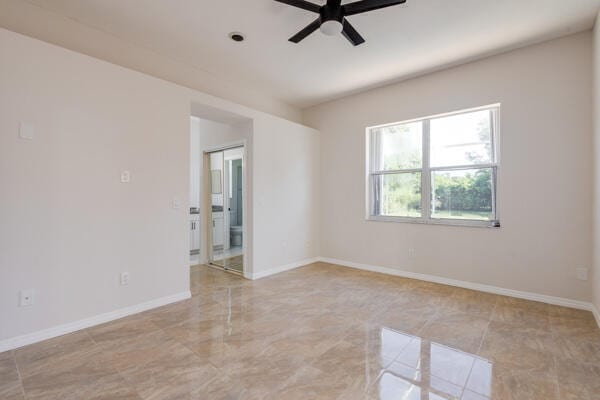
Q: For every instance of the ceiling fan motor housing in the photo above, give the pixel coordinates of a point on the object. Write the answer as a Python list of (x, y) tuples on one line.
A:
[(331, 19), (329, 13)]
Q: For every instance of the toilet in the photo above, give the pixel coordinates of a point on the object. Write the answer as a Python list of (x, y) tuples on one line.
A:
[(236, 235)]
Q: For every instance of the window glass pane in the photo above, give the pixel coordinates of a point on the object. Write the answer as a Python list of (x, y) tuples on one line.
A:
[(464, 194), (397, 195), (463, 139), (397, 147)]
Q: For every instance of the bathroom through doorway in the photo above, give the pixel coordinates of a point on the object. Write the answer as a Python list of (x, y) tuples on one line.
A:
[(226, 208)]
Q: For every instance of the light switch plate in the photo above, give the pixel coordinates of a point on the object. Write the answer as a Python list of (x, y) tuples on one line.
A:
[(124, 278), (26, 130), (176, 204), (125, 176)]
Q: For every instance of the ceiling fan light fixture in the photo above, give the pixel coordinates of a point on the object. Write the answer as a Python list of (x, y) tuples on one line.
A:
[(331, 27)]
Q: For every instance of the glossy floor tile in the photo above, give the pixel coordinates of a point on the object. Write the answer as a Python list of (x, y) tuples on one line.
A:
[(320, 332), (231, 263)]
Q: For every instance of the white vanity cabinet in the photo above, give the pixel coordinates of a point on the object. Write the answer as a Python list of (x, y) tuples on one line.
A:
[(218, 227), (194, 233)]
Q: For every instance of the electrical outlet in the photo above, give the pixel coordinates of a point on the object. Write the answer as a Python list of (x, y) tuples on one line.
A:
[(582, 274), (124, 278), (26, 130), (411, 253), (26, 297), (176, 203)]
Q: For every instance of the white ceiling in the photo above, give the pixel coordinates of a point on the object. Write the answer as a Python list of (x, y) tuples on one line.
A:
[(402, 41)]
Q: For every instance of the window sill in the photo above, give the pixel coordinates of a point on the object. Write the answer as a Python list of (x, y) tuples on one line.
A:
[(445, 222)]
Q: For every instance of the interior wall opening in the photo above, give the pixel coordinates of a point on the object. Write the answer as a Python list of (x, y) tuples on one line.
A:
[(218, 221)]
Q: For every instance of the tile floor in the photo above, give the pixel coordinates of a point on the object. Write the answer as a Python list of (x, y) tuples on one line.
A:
[(232, 263), (320, 332)]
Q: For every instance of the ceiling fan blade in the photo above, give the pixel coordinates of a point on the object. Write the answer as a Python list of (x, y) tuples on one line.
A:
[(351, 34), (310, 28), (368, 5), (305, 5)]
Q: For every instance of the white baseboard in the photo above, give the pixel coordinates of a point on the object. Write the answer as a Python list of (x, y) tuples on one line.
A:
[(282, 268), (559, 301), (596, 313), (49, 333), (23, 340)]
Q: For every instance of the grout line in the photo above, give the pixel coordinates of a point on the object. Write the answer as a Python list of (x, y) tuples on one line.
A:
[(487, 328), (120, 372), (162, 329), (14, 358), (556, 382), (477, 354), (554, 357), (90, 336), (126, 381), (468, 377)]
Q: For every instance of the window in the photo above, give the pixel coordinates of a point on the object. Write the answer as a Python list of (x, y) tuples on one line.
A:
[(440, 169)]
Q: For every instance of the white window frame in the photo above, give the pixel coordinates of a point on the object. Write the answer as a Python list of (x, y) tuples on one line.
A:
[(426, 171)]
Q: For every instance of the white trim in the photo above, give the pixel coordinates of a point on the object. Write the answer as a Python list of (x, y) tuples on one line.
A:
[(49, 333), (596, 314), (559, 301), (247, 266), (472, 223), (226, 146), (426, 171), (447, 114), (282, 268)]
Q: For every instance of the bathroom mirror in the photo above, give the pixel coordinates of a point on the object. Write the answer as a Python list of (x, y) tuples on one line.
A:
[(215, 180)]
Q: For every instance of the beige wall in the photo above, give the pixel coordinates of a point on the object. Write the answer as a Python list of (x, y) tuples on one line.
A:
[(286, 193), (596, 183), (68, 227), (545, 195)]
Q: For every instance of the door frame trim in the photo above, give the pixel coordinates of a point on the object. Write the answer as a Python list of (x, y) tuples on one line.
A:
[(246, 271)]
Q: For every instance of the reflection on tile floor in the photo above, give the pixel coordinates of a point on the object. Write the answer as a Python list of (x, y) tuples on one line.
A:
[(233, 263), (424, 369), (319, 332)]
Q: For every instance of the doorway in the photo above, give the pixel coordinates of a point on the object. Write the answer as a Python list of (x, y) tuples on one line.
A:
[(226, 183)]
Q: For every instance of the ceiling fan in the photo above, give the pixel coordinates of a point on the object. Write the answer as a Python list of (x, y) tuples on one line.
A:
[(332, 17)]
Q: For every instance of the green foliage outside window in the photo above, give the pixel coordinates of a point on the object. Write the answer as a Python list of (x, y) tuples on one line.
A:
[(463, 193)]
